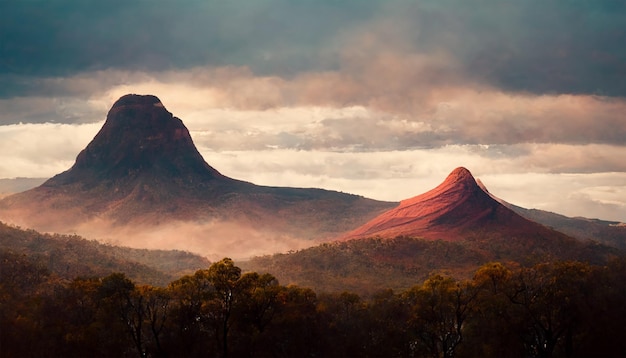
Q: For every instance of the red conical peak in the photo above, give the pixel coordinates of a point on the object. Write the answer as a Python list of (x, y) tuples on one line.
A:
[(460, 176), (458, 184), (457, 202)]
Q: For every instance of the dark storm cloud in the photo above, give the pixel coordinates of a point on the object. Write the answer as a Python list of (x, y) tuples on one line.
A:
[(59, 38), (535, 46)]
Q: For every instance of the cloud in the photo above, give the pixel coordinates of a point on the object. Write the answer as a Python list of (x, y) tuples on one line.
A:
[(540, 47), (584, 180), (593, 195), (212, 239), (406, 113), (525, 46), (324, 93), (392, 110), (61, 39), (41, 150)]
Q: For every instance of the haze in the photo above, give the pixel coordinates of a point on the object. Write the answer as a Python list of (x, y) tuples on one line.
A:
[(378, 98)]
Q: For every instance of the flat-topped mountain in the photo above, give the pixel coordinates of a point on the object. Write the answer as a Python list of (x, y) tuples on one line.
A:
[(141, 181), (139, 138)]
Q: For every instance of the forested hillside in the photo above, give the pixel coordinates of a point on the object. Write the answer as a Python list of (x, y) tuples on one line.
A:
[(561, 309), (367, 265), (70, 256)]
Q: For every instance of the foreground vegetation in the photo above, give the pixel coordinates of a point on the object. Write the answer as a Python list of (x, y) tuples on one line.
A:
[(564, 308)]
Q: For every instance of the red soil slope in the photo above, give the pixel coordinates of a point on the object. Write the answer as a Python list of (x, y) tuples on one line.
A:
[(456, 208)]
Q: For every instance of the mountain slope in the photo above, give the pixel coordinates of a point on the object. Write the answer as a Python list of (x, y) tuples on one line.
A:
[(141, 181), (456, 208)]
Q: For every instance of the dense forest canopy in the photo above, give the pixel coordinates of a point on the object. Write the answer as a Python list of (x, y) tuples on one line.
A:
[(560, 308)]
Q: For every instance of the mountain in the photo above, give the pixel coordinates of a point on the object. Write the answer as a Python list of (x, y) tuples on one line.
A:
[(142, 182), (455, 209), (454, 228)]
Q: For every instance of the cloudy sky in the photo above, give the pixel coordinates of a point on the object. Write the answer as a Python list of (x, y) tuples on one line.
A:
[(378, 98)]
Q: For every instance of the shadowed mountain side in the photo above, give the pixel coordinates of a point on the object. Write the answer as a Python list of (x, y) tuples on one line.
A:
[(142, 172)]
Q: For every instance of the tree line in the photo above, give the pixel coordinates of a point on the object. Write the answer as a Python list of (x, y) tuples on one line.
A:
[(554, 309)]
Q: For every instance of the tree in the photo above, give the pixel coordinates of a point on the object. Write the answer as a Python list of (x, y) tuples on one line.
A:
[(21, 282), (253, 310), (119, 296), (439, 309), (73, 318), (551, 297), (343, 321), (189, 322), (156, 311), (493, 327), (224, 277), (388, 325), (294, 330)]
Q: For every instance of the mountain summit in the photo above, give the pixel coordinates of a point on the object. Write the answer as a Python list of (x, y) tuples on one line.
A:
[(140, 137), (456, 208)]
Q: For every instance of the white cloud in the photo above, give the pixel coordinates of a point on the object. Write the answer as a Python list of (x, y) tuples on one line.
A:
[(592, 195), (41, 150)]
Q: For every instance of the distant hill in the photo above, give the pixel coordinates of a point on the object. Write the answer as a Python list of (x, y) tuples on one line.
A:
[(16, 185), (72, 256), (141, 178), (611, 233)]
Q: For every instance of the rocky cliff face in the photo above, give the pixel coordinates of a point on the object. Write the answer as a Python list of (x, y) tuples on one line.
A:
[(139, 138)]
